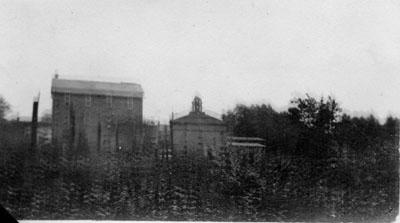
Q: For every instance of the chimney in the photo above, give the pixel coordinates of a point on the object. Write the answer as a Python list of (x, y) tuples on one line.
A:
[(34, 122)]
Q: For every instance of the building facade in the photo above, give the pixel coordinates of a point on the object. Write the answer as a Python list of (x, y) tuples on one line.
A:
[(197, 132), (97, 116)]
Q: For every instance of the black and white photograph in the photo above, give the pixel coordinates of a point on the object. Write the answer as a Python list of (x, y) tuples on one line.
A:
[(199, 111)]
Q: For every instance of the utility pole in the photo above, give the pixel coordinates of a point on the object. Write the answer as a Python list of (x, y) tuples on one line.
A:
[(172, 135), (167, 153)]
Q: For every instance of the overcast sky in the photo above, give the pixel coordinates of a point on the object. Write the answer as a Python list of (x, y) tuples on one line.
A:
[(227, 52)]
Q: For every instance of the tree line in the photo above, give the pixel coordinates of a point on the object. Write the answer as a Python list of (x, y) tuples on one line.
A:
[(343, 167)]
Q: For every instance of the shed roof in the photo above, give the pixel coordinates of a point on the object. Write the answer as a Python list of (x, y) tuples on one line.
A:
[(96, 88), (236, 138), (246, 144)]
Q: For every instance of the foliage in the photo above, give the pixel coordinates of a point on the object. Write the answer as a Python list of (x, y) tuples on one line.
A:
[(4, 108), (330, 163), (321, 115), (319, 165)]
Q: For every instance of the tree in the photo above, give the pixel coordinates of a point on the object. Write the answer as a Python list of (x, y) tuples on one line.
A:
[(251, 121), (321, 115), (4, 108), (318, 121)]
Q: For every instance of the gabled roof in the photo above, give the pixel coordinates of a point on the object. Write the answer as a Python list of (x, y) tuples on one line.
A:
[(96, 88), (198, 118)]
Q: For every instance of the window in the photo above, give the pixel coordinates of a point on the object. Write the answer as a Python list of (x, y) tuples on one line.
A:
[(185, 133), (130, 103), (87, 117), (55, 119), (67, 98), (88, 100), (109, 101), (66, 118)]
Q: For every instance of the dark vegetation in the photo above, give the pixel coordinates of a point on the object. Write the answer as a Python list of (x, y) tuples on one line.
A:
[(319, 165)]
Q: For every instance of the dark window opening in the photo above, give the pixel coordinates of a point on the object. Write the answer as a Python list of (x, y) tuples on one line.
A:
[(88, 100), (67, 99), (130, 103), (109, 101)]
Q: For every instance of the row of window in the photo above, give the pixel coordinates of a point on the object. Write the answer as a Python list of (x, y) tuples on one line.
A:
[(88, 101), (87, 118)]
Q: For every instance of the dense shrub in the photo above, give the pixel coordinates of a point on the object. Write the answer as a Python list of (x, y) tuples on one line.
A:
[(323, 166)]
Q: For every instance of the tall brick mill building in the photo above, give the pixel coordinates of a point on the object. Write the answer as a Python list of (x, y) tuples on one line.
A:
[(99, 116)]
